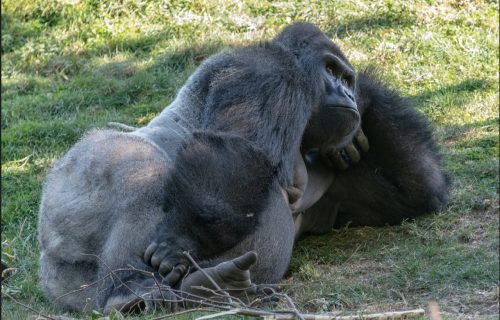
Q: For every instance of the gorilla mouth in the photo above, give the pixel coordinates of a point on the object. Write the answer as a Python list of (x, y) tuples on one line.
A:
[(342, 121)]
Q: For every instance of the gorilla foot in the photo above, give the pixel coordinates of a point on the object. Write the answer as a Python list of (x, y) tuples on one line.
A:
[(232, 276)]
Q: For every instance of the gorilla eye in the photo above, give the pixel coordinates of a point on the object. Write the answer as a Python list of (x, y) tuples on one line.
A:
[(345, 82), (330, 71)]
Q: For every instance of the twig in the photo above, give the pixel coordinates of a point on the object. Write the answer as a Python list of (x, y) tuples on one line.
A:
[(242, 312), (113, 275), (393, 315), (224, 294), (158, 285), (352, 255), (290, 303), (86, 286), (24, 160), (27, 307), (217, 315), (434, 313), (176, 314), (82, 287)]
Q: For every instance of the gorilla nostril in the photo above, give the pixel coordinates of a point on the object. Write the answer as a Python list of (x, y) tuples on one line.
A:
[(349, 95)]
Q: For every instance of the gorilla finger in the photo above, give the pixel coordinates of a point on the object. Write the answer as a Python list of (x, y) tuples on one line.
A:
[(353, 153), (165, 267), (159, 255), (253, 289), (175, 275), (362, 141), (338, 161), (149, 252), (326, 155), (245, 261)]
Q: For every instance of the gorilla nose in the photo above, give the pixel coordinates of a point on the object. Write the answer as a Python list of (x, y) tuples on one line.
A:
[(339, 97)]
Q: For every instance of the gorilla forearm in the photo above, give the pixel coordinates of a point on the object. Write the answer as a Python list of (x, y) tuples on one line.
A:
[(402, 146)]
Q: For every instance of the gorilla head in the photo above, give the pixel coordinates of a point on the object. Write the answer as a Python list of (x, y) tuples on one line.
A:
[(335, 117)]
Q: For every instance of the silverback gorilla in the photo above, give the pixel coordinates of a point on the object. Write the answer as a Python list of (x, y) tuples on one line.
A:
[(261, 145)]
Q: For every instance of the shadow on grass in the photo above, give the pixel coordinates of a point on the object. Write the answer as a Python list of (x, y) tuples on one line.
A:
[(466, 86), (391, 20)]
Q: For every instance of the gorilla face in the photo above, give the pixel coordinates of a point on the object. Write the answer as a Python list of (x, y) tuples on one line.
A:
[(338, 111)]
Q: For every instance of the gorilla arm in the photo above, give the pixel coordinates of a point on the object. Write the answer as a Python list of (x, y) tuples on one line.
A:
[(400, 176)]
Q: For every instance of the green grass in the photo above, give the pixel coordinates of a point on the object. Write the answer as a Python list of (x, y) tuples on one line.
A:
[(68, 66)]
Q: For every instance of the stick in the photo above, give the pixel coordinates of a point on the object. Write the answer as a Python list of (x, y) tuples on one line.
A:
[(176, 314), (290, 303), (217, 315), (393, 315)]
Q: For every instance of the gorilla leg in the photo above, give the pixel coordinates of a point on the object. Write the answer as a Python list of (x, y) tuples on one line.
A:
[(100, 209)]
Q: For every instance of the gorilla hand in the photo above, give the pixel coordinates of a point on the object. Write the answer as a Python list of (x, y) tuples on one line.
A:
[(171, 264), (343, 158)]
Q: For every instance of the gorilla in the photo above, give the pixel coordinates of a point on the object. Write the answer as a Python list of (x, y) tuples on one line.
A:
[(261, 145)]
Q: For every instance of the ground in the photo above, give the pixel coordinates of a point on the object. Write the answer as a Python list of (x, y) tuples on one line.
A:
[(70, 65)]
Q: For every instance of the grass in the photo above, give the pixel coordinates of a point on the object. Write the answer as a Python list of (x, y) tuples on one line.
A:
[(70, 65)]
